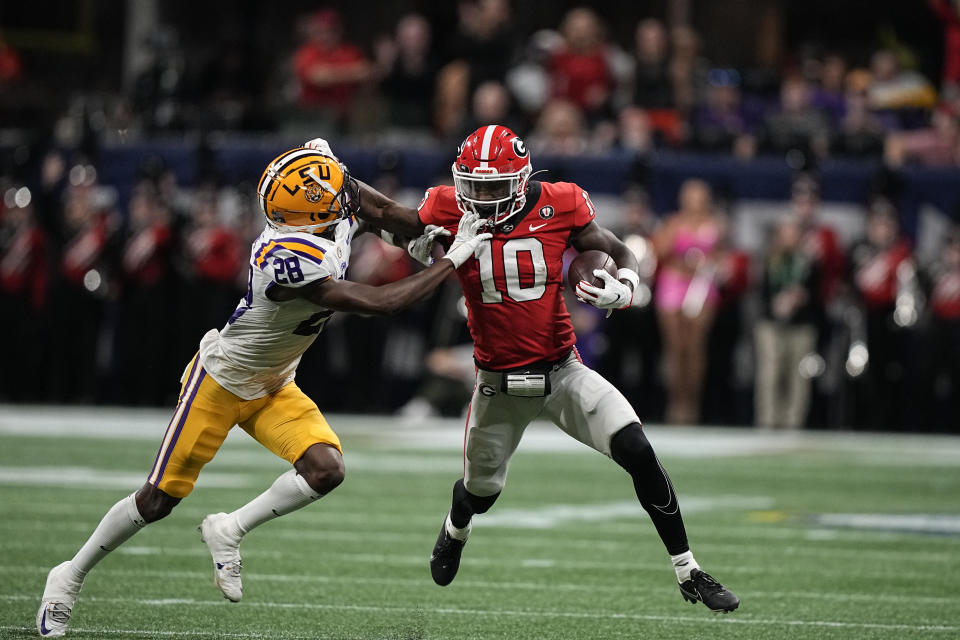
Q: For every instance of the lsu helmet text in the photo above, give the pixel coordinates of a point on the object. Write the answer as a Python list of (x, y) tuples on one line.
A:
[(304, 190), (491, 173)]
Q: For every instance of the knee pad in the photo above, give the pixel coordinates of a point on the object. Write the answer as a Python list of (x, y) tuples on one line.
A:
[(630, 449)]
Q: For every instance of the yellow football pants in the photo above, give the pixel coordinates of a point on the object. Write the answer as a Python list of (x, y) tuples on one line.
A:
[(286, 422)]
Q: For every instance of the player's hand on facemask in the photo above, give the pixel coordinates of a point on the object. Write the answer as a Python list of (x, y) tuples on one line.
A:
[(613, 295), (322, 146), (468, 239), (420, 249)]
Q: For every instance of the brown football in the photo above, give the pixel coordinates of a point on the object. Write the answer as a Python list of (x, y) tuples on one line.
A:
[(583, 266)]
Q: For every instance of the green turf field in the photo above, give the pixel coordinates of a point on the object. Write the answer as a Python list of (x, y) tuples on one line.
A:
[(566, 552)]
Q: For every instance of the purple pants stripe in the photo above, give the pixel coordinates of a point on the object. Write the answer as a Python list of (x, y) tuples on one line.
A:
[(188, 402), (186, 387)]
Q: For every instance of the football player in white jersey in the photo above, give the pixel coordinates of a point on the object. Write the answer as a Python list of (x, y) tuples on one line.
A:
[(243, 374)]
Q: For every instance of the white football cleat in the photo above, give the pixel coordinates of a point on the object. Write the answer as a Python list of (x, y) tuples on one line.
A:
[(225, 549), (61, 592)]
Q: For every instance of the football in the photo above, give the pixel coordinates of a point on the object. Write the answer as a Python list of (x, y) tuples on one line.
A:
[(583, 266)]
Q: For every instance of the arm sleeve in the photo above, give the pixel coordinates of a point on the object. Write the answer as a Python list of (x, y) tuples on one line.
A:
[(293, 263), (427, 209), (583, 210)]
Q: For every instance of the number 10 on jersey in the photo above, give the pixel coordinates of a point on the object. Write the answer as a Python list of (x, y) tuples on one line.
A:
[(509, 255)]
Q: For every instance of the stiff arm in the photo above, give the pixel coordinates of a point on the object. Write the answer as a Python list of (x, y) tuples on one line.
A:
[(387, 214)]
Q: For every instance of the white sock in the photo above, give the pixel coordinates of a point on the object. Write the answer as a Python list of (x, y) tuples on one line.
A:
[(458, 534), (683, 564), (288, 493), (122, 521)]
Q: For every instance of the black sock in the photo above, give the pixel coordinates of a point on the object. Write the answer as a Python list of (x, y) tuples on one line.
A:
[(631, 450), (465, 504)]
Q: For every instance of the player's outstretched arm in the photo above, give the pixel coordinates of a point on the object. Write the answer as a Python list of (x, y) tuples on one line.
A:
[(376, 208), (343, 295), (387, 214)]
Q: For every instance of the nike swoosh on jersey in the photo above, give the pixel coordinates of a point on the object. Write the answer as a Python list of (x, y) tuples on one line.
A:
[(539, 226)]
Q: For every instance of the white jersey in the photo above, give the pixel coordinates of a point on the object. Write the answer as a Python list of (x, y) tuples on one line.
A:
[(258, 350)]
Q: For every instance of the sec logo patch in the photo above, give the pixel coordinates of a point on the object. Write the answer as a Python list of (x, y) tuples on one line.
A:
[(546, 212)]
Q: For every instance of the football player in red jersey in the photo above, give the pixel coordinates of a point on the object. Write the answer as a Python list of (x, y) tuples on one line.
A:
[(527, 366)]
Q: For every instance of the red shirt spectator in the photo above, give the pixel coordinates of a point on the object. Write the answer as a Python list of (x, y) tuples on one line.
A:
[(329, 71), (579, 71), (876, 260), (23, 262), (215, 253)]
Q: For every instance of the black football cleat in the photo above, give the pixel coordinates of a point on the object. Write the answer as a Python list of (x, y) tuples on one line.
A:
[(445, 559), (701, 587)]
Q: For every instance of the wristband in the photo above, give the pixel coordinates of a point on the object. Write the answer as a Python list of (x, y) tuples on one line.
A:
[(630, 276)]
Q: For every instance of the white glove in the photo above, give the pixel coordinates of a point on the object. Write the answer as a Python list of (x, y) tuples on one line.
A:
[(421, 248), (468, 239), (321, 145), (613, 295)]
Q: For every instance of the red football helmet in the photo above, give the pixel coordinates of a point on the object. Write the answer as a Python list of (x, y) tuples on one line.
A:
[(491, 173)]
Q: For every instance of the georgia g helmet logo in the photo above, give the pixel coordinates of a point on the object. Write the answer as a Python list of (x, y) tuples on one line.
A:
[(519, 148)]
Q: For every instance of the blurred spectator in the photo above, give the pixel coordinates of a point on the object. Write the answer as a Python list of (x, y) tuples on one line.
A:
[(24, 284), (11, 68), (83, 281), (722, 401), (480, 50), (328, 70), (949, 14), (483, 40), (861, 131), (944, 346), (529, 80), (579, 70), (935, 146), (686, 295), (559, 131), (634, 133), (796, 124), (146, 292), (408, 72), (652, 88), (880, 265), (632, 352), (787, 332), (895, 88), (720, 123), (819, 242), (490, 105), (829, 95), (687, 69)]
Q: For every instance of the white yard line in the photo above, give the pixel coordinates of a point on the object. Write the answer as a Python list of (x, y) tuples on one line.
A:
[(447, 434), (153, 633), (89, 477), (584, 615), (620, 587)]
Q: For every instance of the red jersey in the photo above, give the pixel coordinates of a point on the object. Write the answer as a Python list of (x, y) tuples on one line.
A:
[(336, 95), (580, 78), (514, 284)]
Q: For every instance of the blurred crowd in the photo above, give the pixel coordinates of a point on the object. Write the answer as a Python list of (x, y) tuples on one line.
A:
[(105, 293), (568, 88), (105, 302)]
